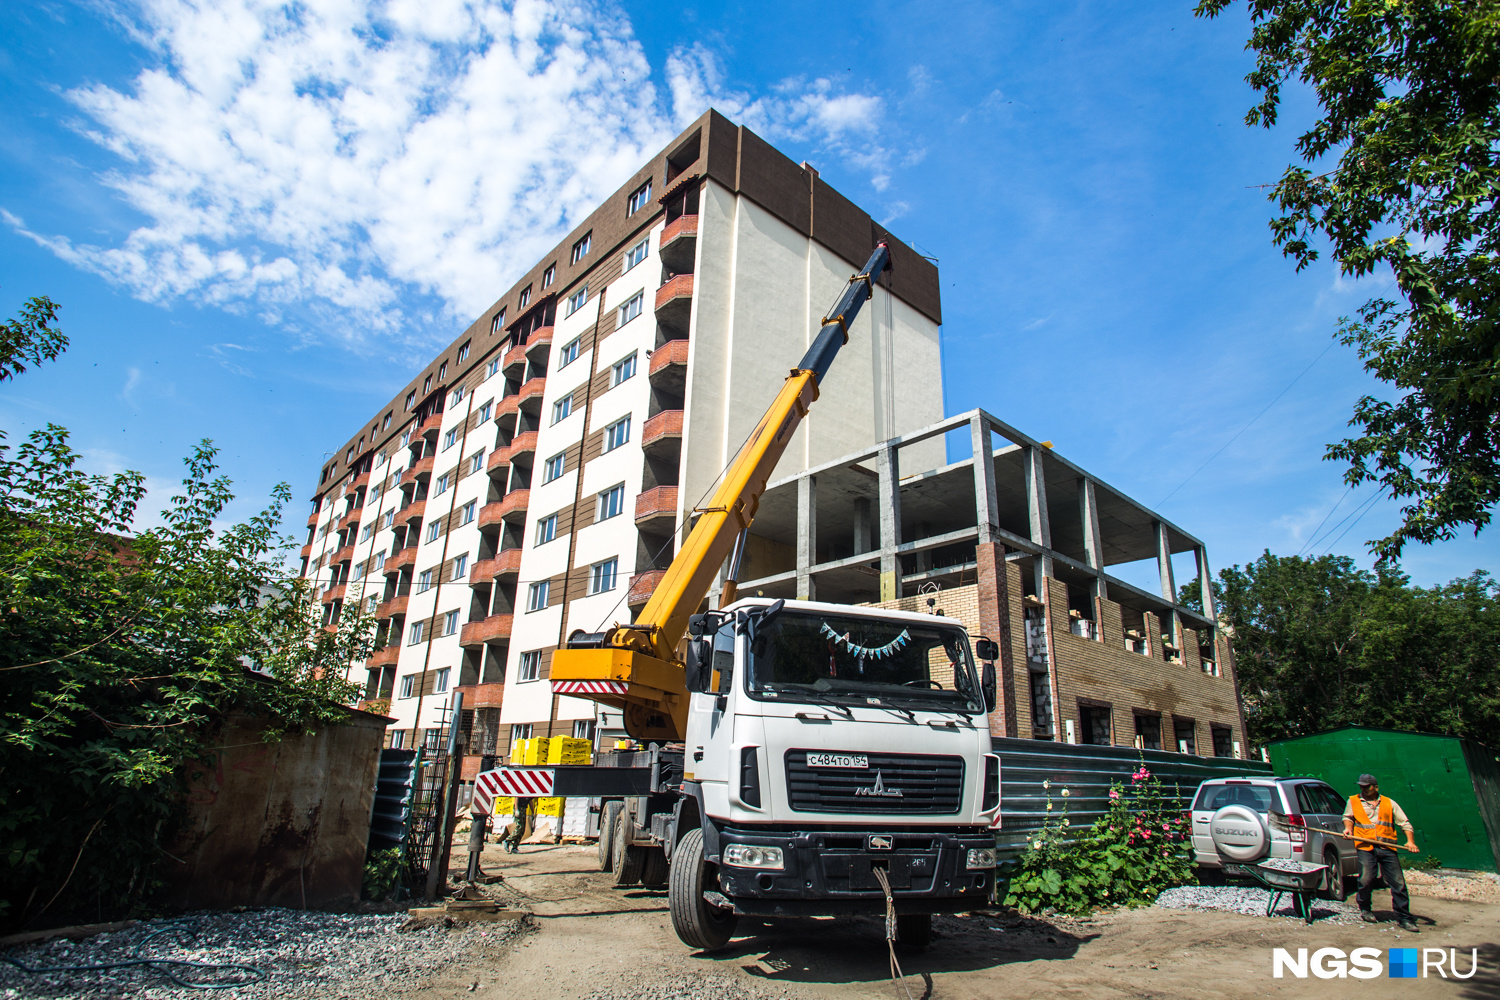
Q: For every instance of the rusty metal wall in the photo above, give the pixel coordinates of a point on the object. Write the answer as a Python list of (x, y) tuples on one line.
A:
[(1087, 772), (278, 824)]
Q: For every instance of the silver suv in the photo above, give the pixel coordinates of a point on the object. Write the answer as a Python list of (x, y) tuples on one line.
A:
[(1232, 829)]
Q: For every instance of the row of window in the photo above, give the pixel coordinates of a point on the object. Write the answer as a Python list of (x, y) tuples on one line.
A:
[(583, 729)]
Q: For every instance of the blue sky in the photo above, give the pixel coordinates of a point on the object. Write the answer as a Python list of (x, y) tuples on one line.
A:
[(259, 219)]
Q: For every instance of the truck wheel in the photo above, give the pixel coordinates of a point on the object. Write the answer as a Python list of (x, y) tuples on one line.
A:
[(913, 931), (1333, 882), (609, 818), (627, 859), (654, 872), (698, 924)]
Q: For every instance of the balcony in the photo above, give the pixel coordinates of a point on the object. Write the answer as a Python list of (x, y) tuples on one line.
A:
[(350, 520), (344, 554), (656, 510), (661, 435), (522, 444), (668, 372), (482, 695), (404, 559), (385, 657), (307, 550), (395, 606), (643, 585), (421, 469), (495, 628), (312, 519), (539, 344), (332, 594), (376, 706), (497, 464), (514, 363), (507, 562), (430, 426), (679, 244), (674, 301), (411, 510), (363, 479)]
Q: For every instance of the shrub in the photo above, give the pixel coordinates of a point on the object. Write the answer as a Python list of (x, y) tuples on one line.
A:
[(1138, 848)]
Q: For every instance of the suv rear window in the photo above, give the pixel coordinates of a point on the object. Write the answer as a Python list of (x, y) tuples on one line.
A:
[(1257, 797)]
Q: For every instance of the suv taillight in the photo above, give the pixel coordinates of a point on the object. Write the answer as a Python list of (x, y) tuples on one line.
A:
[(1298, 829)]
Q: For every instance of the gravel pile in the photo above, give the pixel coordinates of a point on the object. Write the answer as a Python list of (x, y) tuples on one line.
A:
[(1252, 901), (1288, 865), (678, 987), (303, 954)]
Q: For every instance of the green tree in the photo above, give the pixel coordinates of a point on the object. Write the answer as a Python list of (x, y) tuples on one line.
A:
[(120, 651), (1400, 171), (30, 338), (1320, 643)]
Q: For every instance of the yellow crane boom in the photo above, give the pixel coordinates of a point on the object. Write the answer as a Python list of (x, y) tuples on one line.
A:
[(635, 667)]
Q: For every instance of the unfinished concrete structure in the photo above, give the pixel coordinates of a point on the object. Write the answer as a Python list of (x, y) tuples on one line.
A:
[(1019, 549)]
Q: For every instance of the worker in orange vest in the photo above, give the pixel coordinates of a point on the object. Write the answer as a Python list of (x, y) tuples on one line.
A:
[(1370, 814)]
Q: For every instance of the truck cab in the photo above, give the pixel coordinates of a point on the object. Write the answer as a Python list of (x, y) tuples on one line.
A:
[(826, 743)]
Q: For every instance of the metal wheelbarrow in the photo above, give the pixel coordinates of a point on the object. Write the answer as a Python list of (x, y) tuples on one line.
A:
[(1302, 885)]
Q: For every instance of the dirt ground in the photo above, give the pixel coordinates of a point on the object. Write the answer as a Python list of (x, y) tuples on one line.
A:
[(590, 940)]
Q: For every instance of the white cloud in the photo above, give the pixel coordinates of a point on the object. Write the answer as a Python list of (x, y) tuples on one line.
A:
[(331, 159)]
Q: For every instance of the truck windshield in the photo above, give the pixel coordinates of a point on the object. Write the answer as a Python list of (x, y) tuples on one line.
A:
[(864, 661)]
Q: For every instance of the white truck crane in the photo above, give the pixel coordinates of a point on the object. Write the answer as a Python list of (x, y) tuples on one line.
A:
[(803, 759)]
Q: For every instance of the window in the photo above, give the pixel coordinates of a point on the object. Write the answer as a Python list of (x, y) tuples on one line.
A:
[(497, 321), (416, 633), (359, 571), (371, 603), (631, 309), (553, 467), (1095, 725), (463, 352), (443, 370), (460, 568), (568, 353), (581, 248), (424, 581), (520, 731), (440, 681), (349, 456), (616, 434), (1222, 744), (427, 385), (1148, 731), (624, 368), (576, 301), (450, 622), (476, 461), (468, 511), (639, 199), (562, 408), (536, 596), (406, 437), (444, 481), (611, 502), (525, 296), (484, 411), (386, 422), (390, 516), (398, 738), (602, 576), (450, 439), (381, 459), (548, 275), (583, 729), (434, 531), (636, 254), (408, 686), (546, 529), (492, 368), (531, 667), (1186, 739), (456, 397), (379, 562), (364, 533)]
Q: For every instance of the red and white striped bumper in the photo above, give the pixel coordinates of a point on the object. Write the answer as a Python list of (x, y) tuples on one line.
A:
[(516, 782), (618, 688)]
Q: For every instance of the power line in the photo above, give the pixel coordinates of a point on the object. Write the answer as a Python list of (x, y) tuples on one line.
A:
[(1245, 428), (1314, 533), (1369, 505)]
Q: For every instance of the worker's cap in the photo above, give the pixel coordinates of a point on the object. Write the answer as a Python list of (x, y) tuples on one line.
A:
[(1366, 780)]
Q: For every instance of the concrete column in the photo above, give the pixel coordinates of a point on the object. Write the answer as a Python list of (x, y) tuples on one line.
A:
[(1041, 526), (995, 622), (1168, 583), (1093, 540), (807, 535), (986, 505), (888, 466), (862, 533), (1206, 584)]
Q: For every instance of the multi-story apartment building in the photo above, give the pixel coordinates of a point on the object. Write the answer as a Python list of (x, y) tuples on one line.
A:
[(534, 478)]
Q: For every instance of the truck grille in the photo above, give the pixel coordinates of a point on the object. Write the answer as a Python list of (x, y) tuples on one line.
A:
[(928, 785)]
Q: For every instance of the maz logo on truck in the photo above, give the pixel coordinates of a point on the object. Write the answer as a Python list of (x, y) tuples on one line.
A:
[(880, 790)]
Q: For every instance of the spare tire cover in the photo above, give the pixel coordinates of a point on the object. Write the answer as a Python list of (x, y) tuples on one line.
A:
[(1239, 833)]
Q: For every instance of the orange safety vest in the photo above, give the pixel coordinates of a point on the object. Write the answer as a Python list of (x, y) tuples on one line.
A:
[(1384, 827)]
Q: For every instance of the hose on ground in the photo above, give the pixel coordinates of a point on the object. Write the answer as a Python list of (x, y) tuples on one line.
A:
[(164, 966)]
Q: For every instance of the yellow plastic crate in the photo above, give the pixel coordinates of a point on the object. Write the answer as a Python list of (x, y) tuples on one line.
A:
[(567, 750), (549, 807), (504, 806), (530, 752)]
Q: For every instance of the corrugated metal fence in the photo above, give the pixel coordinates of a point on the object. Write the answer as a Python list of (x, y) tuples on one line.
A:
[(1087, 772)]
